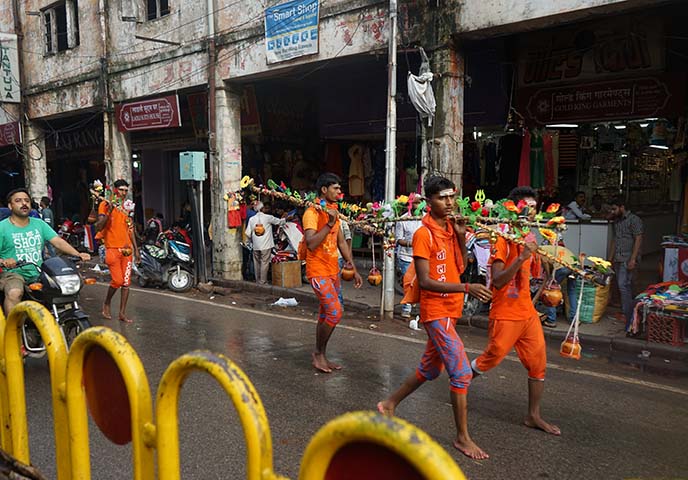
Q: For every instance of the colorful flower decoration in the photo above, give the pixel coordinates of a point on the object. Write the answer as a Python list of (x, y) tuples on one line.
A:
[(246, 181), (511, 206), (556, 221), (549, 235), (553, 208), (475, 206)]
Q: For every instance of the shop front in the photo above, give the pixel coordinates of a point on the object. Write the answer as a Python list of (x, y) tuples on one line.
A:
[(160, 129), (11, 163)]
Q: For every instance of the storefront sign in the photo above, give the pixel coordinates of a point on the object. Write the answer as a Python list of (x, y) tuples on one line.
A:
[(80, 139), (148, 114), (250, 117), (658, 96), (291, 30), (10, 134), (10, 89), (592, 51)]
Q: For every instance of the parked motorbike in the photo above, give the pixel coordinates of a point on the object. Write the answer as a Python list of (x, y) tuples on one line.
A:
[(57, 288), (168, 262), (73, 233)]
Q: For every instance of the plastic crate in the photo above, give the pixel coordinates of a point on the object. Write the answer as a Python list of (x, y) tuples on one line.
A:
[(664, 329)]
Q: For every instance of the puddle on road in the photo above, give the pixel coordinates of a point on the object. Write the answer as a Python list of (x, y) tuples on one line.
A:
[(667, 368)]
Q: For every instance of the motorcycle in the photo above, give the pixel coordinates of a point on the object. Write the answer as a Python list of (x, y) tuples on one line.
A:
[(57, 288), (73, 233), (168, 262)]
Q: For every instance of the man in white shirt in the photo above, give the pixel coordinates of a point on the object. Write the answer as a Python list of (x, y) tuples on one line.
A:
[(259, 233), (403, 233), (576, 209)]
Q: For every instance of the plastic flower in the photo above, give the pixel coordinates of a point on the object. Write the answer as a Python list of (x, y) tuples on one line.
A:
[(549, 235), (97, 185), (521, 204), (475, 206), (246, 181), (553, 208), (403, 199), (489, 203), (600, 262), (485, 212), (556, 221), (128, 205), (511, 206)]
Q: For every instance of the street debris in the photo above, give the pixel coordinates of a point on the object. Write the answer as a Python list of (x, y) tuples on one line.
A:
[(413, 324), (286, 302)]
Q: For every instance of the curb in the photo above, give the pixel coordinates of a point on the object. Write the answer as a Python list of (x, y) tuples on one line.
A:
[(612, 344), (301, 297)]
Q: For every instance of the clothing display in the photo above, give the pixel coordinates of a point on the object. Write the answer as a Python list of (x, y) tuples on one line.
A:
[(537, 161), (524, 165), (356, 173)]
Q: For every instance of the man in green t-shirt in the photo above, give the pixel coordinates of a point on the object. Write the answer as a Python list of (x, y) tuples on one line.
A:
[(22, 238)]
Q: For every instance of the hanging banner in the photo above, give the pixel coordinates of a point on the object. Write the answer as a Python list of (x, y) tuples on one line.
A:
[(148, 114), (10, 88), (250, 117), (198, 107), (10, 134), (291, 30)]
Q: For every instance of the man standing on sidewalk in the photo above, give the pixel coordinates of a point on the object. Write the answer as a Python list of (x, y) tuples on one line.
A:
[(514, 322), (259, 233), (628, 238), (403, 232), (323, 238), (116, 229)]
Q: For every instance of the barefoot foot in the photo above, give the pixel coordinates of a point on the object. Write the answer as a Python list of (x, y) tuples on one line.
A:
[(540, 424), (333, 366), (470, 449), (320, 363), (106, 312), (386, 408), (125, 319)]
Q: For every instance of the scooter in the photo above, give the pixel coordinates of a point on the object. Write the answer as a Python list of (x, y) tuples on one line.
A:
[(57, 288), (167, 263)]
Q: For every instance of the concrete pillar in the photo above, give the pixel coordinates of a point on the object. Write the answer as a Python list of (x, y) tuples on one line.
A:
[(445, 137), (117, 151), (35, 161), (226, 175)]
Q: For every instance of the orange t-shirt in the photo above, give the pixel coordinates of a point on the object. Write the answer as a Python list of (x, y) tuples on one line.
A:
[(511, 302), (442, 258), (324, 260), (116, 233)]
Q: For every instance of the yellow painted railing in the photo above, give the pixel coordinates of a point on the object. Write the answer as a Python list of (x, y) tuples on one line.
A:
[(102, 369)]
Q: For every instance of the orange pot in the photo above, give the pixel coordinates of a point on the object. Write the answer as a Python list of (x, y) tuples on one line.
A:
[(259, 230), (347, 273), (552, 296), (374, 277), (571, 349)]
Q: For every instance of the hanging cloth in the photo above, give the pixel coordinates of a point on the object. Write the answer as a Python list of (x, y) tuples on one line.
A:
[(356, 173), (420, 90), (537, 161), (549, 163), (524, 169)]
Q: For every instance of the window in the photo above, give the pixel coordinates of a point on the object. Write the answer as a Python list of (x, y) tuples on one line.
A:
[(157, 8), (61, 24)]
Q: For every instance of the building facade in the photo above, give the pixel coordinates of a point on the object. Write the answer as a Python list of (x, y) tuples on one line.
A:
[(118, 88)]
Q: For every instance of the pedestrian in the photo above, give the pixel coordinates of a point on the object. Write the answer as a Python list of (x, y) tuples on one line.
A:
[(323, 238), (438, 254), (403, 232), (626, 243), (259, 234), (49, 218), (115, 228), (514, 322), (576, 209)]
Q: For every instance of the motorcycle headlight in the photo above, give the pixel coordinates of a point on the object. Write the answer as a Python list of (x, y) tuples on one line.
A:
[(69, 284)]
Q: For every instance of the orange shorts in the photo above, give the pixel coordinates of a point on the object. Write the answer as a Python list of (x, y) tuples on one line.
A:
[(120, 267), (526, 337)]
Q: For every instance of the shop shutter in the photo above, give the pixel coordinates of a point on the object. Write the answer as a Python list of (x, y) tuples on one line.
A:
[(568, 150)]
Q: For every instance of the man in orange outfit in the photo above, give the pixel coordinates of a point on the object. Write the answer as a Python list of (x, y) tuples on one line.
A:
[(439, 247), (323, 239), (514, 322), (116, 229)]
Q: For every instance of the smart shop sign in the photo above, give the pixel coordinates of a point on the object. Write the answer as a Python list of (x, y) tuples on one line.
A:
[(291, 30)]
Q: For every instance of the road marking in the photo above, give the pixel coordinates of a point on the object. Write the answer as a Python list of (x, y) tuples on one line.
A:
[(511, 358)]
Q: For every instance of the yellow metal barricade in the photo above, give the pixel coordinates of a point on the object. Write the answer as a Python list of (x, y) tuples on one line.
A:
[(244, 397), (15, 408), (138, 391), (352, 439)]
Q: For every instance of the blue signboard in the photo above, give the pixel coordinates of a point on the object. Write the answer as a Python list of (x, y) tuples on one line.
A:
[(291, 30)]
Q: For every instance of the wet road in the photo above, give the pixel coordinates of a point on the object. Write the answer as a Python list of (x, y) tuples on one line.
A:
[(618, 421)]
